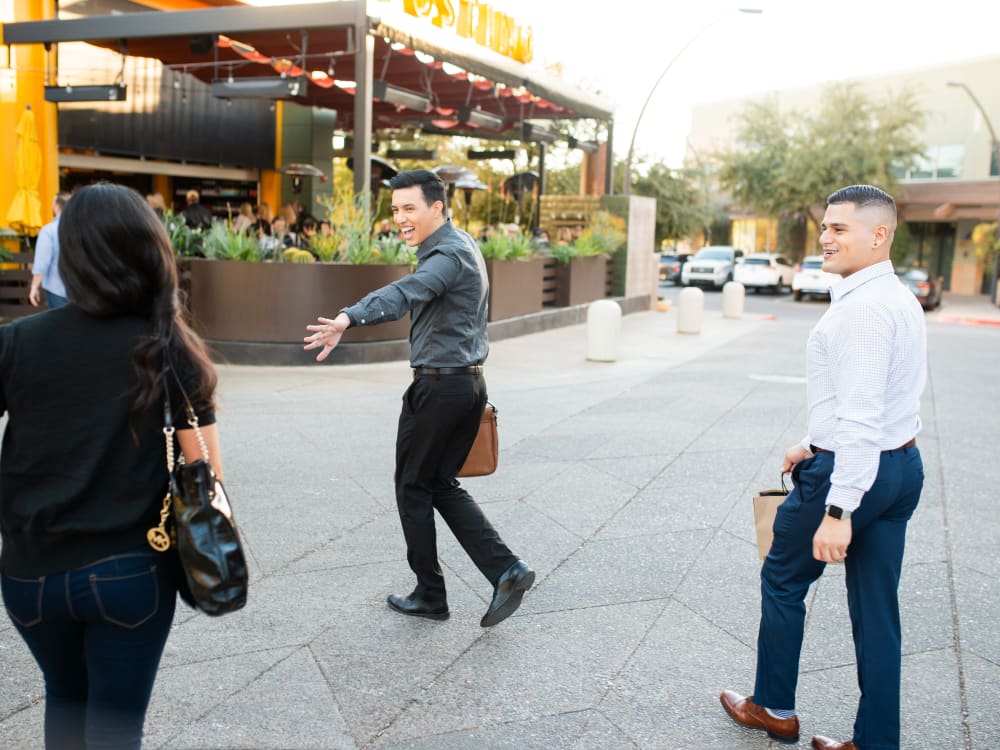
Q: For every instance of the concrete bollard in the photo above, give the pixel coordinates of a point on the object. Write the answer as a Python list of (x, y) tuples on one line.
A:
[(733, 296), (690, 310), (604, 330)]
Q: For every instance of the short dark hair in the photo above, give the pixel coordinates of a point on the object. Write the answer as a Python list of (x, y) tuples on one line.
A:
[(309, 223), (430, 185), (862, 196)]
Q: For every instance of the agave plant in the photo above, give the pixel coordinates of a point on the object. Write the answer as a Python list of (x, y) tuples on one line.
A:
[(222, 243), (393, 251), (185, 241), (499, 246)]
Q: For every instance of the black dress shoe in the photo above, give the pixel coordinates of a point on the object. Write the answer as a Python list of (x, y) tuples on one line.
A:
[(508, 593), (414, 606)]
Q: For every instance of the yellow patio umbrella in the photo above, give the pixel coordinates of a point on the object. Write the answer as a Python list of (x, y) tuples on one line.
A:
[(25, 213)]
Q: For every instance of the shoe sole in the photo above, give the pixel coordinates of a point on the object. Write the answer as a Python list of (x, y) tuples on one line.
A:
[(510, 606), (784, 739), (426, 615)]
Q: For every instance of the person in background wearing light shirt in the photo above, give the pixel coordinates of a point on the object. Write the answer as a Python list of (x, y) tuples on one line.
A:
[(858, 477), (446, 297), (45, 270)]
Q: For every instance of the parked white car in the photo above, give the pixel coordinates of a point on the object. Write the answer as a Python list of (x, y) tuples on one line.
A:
[(765, 271), (713, 265), (812, 279)]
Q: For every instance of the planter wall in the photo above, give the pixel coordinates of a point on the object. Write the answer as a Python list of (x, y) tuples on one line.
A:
[(515, 287), (582, 280), (273, 302)]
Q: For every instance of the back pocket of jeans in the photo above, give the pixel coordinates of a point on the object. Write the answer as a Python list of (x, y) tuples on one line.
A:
[(127, 600), (23, 599)]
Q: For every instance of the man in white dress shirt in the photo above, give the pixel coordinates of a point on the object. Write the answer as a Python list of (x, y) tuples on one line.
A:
[(858, 477)]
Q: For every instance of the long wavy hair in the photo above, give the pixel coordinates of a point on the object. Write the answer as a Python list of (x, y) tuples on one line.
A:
[(115, 259)]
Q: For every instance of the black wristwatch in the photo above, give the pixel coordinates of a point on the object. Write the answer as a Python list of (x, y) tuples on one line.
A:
[(839, 513)]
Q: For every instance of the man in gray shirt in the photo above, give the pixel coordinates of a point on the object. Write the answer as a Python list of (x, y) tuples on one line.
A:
[(446, 298)]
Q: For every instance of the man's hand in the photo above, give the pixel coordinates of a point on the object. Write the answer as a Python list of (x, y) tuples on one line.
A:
[(831, 540), (326, 334), (793, 455), (34, 294)]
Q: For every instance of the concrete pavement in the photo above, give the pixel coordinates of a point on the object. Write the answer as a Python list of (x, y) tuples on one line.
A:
[(627, 487)]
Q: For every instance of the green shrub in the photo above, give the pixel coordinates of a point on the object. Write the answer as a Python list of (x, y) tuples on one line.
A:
[(499, 246), (603, 236), (222, 243), (393, 251)]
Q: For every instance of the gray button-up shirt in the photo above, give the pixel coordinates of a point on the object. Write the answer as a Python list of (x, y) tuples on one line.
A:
[(446, 297)]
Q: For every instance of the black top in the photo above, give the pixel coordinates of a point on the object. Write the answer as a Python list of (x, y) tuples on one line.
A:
[(446, 297), (75, 485)]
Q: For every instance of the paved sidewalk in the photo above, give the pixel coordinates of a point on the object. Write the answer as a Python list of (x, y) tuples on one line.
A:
[(627, 487), (966, 310)]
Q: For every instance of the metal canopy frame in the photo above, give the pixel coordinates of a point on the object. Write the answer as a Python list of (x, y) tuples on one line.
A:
[(351, 15)]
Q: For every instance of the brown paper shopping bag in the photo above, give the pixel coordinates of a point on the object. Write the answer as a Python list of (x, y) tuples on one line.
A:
[(765, 508)]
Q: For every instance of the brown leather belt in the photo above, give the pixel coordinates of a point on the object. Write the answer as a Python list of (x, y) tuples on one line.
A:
[(909, 444), (470, 370)]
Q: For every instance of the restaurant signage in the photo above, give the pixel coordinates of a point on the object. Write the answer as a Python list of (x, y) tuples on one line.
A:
[(479, 21)]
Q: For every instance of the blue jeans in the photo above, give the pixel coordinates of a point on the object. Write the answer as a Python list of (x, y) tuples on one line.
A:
[(97, 633), (54, 300), (873, 565)]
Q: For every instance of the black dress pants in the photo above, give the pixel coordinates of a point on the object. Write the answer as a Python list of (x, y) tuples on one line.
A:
[(437, 426)]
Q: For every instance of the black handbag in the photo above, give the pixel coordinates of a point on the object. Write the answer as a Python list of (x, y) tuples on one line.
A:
[(197, 520)]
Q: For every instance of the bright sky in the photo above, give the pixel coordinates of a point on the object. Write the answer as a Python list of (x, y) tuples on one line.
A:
[(620, 47)]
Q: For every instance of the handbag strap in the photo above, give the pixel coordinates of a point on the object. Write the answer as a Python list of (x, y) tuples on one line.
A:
[(168, 418)]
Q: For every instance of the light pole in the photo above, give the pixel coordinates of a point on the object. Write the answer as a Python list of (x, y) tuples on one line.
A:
[(994, 156), (627, 184)]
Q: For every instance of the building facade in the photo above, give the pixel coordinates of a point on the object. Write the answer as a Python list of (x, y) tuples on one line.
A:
[(953, 188)]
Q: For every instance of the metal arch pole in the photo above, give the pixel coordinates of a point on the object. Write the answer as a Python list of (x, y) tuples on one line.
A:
[(627, 180)]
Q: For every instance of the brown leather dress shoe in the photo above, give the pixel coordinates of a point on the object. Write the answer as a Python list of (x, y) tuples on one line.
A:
[(825, 743), (748, 714)]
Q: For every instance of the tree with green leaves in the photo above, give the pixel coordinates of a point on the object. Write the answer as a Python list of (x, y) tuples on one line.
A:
[(682, 204), (785, 163)]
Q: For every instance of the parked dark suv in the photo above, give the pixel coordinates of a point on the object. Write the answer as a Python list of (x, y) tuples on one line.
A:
[(671, 265), (926, 287)]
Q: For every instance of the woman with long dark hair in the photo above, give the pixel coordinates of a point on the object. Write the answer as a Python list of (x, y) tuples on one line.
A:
[(83, 469)]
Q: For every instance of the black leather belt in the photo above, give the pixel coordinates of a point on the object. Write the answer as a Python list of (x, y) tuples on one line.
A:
[(908, 444), (470, 370)]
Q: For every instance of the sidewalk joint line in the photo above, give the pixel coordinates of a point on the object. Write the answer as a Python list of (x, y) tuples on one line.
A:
[(950, 568)]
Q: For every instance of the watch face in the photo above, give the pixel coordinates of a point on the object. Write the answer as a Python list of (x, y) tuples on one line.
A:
[(834, 512)]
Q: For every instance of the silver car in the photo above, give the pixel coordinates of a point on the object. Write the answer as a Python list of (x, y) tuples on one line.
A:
[(713, 265)]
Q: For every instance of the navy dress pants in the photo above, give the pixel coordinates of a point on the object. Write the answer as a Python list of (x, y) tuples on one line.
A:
[(873, 564), (97, 633), (437, 426)]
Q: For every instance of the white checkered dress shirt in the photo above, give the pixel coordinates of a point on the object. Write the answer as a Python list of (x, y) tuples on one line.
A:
[(866, 366)]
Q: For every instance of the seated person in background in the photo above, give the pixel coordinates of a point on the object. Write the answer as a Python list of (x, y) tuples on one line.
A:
[(245, 219), (195, 214), (276, 238), (156, 202), (309, 228)]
